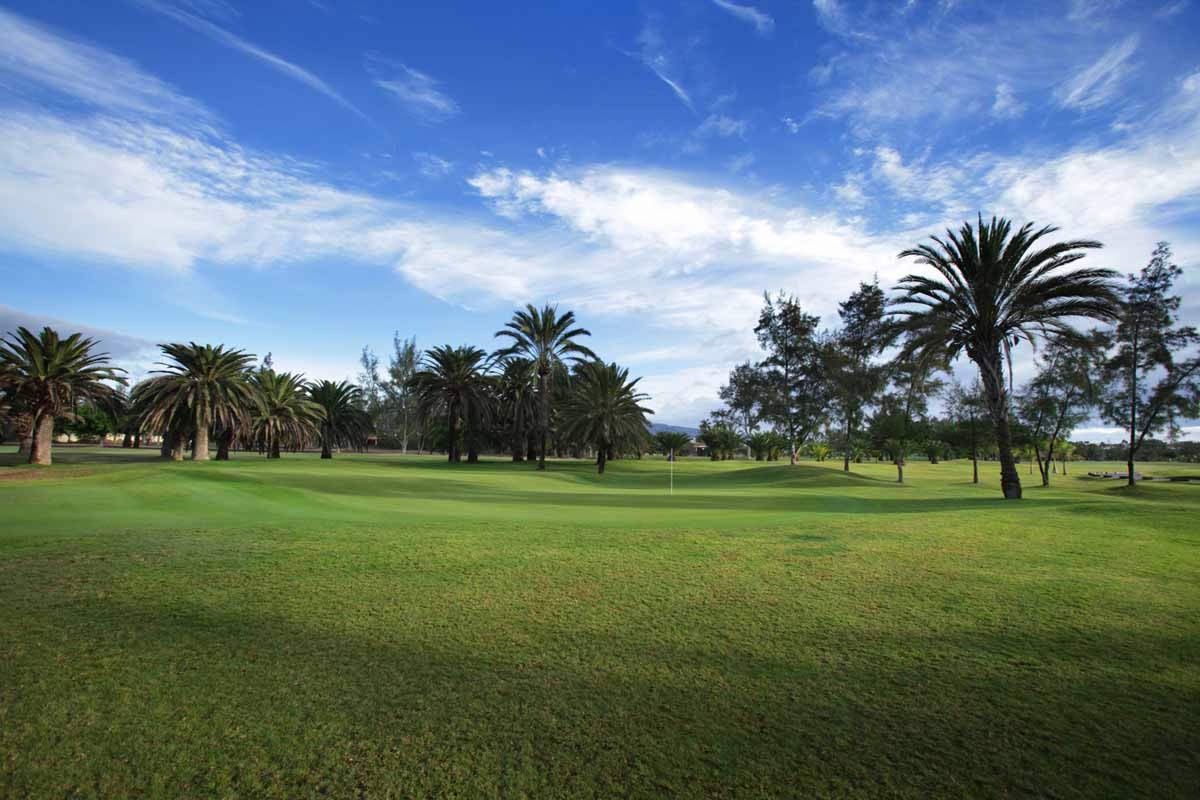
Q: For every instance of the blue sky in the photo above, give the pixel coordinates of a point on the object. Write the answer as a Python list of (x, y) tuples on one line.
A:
[(307, 177)]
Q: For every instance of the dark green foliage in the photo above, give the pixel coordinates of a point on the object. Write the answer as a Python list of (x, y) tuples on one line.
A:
[(453, 384), (1153, 378), (604, 411), (46, 376), (344, 420), (796, 389), (549, 340), (993, 288)]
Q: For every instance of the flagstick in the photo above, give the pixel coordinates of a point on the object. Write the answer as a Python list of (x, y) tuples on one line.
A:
[(671, 460)]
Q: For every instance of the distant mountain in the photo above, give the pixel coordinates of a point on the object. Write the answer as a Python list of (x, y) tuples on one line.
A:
[(655, 427)]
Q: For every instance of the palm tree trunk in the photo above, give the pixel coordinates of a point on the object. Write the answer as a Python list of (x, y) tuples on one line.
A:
[(326, 450), (471, 434), (992, 375), (178, 446), (24, 430), (200, 444), (452, 425), (274, 447), (544, 416), (601, 458), (43, 440), (974, 452), (518, 440), (224, 440), (899, 470), (846, 456)]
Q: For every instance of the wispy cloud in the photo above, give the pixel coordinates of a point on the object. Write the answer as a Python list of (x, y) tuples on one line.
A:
[(234, 42), (415, 90), (36, 59), (1006, 105), (722, 126), (1170, 9), (939, 63), (832, 15), (432, 166), (1098, 83), (762, 21), (653, 53)]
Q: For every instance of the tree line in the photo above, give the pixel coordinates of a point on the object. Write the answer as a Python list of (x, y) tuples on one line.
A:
[(866, 386), (541, 390)]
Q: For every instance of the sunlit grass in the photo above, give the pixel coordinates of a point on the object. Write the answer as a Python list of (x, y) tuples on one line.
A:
[(387, 626)]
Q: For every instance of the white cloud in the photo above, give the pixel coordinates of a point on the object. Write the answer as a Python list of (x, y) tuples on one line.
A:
[(654, 54), (1098, 83), (36, 58), (831, 15), (740, 163), (228, 39), (1006, 105), (762, 22), (432, 166), (416, 91), (1111, 435), (933, 65), (722, 126), (850, 191)]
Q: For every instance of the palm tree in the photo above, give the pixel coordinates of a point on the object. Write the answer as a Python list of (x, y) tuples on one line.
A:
[(515, 392), (285, 415), (994, 288), (452, 380), (199, 387), (548, 340), (346, 422), (605, 410), (48, 375), (760, 444), (672, 442)]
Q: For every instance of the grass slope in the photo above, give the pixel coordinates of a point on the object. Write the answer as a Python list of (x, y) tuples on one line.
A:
[(396, 627)]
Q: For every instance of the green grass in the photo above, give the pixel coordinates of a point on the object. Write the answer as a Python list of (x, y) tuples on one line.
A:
[(394, 627)]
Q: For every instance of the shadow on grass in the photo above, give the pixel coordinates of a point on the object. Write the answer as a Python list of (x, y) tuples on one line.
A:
[(566, 712)]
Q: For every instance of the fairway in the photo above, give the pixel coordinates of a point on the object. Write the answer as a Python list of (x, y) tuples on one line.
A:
[(387, 626)]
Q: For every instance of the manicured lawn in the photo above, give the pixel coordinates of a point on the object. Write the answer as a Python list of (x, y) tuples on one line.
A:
[(382, 626)]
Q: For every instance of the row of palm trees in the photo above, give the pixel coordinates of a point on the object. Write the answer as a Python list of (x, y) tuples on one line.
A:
[(201, 393), (204, 394), (543, 379)]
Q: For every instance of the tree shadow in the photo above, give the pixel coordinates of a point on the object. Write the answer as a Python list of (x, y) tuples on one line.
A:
[(563, 711)]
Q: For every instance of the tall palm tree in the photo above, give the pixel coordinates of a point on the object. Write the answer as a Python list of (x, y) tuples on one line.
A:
[(993, 288), (285, 416), (605, 410), (48, 375), (515, 392), (548, 340), (200, 386), (346, 422), (453, 381)]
